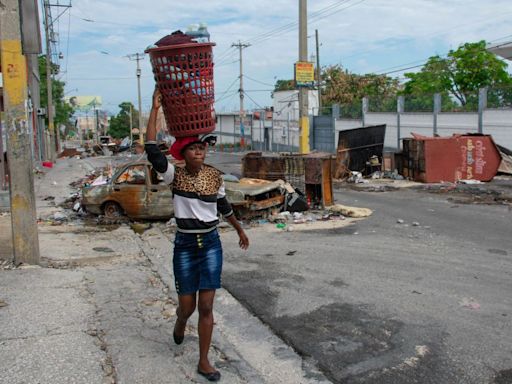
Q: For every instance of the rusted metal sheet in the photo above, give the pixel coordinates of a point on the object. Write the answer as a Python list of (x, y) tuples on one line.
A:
[(310, 173), (356, 147), (459, 157), (267, 203), (506, 160)]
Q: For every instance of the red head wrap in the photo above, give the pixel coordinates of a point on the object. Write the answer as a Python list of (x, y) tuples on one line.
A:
[(179, 145)]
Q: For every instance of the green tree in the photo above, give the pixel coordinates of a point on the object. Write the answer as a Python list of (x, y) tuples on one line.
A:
[(347, 89), (461, 74), (120, 124), (284, 85), (63, 111)]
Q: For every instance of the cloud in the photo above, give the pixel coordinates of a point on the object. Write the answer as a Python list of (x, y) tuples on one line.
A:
[(362, 35)]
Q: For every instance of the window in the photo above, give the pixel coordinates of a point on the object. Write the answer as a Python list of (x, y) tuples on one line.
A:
[(135, 174)]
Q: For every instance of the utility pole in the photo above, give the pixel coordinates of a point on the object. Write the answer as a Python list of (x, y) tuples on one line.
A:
[(49, 88), (240, 47), (131, 124), (48, 26), (303, 91), (318, 74), (23, 206), (138, 57)]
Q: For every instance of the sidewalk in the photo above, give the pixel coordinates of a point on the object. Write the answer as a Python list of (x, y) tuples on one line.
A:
[(103, 310)]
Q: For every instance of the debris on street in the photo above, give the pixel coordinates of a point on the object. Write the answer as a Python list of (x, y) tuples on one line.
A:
[(359, 150), (469, 303), (310, 174), (353, 212)]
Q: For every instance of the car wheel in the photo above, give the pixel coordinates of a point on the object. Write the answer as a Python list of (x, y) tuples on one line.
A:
[(112, 210)]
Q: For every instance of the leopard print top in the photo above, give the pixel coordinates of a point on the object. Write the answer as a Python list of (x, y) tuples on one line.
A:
[(206, 183)]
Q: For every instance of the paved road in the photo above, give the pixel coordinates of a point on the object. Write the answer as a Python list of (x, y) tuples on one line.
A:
[(382, 302)]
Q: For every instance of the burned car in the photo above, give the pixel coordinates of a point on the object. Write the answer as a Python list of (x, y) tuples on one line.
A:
[(252, 198), (136, 190)]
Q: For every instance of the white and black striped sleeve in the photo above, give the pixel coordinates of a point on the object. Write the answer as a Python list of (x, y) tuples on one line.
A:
[(223, 205), (159, 162)]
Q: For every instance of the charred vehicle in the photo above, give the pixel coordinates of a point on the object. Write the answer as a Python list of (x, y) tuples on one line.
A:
[(134, 189), (137, 191), (252, 198)]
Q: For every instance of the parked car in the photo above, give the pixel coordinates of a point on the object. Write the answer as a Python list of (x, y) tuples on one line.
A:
[(137, 191)]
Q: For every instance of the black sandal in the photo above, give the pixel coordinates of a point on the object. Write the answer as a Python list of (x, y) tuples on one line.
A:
[(210, 376), (177, 339)]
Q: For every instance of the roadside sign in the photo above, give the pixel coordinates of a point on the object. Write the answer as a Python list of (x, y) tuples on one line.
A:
[(304, 74)]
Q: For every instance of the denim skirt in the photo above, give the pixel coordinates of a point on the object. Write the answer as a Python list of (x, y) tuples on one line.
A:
[(197, 261)]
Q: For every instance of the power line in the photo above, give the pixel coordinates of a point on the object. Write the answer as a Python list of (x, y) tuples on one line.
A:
[(311, 19), (227, 90), (256, 39), (258, 81), (230, 95), (259, 106), (424, 36), (424, 61)]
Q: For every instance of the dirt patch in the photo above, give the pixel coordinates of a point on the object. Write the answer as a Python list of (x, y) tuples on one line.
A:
[(499, 193)]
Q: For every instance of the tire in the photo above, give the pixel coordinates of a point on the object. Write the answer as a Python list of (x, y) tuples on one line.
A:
[(112, 210)]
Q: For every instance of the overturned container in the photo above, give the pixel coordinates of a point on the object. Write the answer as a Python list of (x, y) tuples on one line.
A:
[(183, 71), (459, 157)]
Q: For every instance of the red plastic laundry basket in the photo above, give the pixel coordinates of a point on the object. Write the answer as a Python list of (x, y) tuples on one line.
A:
[(184, 76)]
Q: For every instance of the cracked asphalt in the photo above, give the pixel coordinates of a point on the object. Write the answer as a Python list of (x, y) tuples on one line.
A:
[(424, 301)]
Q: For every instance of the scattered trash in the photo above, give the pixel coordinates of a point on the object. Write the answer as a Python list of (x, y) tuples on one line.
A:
[(76, 207), (357, 178), (280, 225), (140, 228), (59, 216), (353, 212), (418, 293), (400, 221), (101, 180), (47, 164), (392, 175), (415, 224), (470, 181), (469, 303), (291, 253), (49, 198), (3, 304)]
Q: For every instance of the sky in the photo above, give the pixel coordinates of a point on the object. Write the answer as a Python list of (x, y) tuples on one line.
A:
[(364, 36)]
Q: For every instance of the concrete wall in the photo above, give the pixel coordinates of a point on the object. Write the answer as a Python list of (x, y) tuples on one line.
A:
[(497, 123)]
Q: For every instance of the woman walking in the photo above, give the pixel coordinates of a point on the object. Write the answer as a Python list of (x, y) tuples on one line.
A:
[(198, 196)]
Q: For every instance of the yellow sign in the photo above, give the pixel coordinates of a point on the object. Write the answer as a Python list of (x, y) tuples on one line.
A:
[(14, 69), (304, 74), (85, 103)]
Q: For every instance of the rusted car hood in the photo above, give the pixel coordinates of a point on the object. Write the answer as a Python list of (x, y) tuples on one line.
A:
[(237, 191)]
